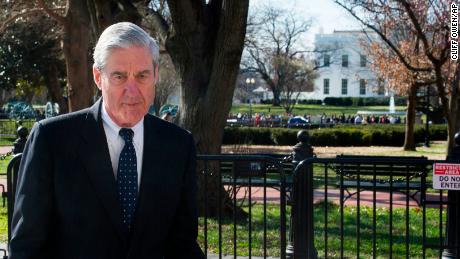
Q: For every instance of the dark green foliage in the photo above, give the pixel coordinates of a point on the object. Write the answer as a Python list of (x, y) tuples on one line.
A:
[(362, 101), (355, 135), (312, 101), (26, 51)]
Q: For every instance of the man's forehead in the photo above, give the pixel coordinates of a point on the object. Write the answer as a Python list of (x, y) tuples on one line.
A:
[(125, 66), (138, 54)]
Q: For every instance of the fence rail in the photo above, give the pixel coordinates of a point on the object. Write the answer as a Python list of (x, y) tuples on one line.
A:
[(380, 220), (358, 227), (9, 127), (228, 170)]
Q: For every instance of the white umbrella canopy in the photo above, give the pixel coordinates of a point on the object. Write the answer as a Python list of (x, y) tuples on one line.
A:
[(259, 89)]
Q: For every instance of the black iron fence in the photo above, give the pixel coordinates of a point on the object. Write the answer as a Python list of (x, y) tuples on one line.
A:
[(370, 207), (343, 207), (8, 127), (249, 220)]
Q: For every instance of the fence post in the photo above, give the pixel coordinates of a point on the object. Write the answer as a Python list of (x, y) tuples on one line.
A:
[(453, 230), (301, 245), (20, 142)]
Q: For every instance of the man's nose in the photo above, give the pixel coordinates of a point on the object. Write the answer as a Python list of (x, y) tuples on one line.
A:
[(131, 88)]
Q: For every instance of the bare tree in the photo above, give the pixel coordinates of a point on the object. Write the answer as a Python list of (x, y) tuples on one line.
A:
[(427, 24), (299, 75), (205, 40), (272, 47)]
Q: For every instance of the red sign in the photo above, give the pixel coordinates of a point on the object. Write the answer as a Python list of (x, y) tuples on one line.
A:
[(446, 176), (447, 169)]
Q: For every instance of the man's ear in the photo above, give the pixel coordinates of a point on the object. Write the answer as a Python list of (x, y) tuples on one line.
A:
[(97, 75)]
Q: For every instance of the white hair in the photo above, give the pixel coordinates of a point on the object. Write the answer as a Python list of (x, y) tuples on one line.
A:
[(123, 35)]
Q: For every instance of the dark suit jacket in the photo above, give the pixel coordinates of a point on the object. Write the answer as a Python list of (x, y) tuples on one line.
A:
[(66, 201)]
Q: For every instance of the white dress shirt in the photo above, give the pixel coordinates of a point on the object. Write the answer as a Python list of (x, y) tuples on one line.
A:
[(116, 143)]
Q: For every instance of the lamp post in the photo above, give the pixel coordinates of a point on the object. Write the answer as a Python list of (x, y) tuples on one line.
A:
[(427, 111), (250, 81)]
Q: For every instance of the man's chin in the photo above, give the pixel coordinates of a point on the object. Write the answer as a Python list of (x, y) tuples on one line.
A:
[(130, 120)]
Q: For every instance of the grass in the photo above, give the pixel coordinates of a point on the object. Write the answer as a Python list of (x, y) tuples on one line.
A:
[(333, 241), (3, 224), (273, 236), (8, 130), (4, 164), (312, 109), (6, 141)]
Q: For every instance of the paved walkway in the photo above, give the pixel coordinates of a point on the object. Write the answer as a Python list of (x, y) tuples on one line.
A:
[(366, 197), (5, 149), (239, 257)]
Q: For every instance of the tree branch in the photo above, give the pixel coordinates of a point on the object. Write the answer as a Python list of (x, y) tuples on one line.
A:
[(51, 12), (419, 30), (386, 40), (23, 14)]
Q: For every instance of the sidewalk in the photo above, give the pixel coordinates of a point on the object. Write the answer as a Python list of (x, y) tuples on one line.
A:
[(210, 256), (366, 197), (5, 149)]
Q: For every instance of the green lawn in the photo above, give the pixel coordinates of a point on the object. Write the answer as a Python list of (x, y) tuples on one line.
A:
[(4, 164), (3, 223), (6, 141), (350, 230), (312, 109)]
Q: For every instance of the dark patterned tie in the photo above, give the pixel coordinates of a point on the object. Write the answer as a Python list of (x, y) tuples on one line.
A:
[(127, 178)]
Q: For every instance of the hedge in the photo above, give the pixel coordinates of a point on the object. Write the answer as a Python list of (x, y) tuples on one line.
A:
[(369, 135), (363, 101)]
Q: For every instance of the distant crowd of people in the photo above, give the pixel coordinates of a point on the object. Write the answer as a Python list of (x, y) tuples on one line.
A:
[(361, 119), (276, 120)]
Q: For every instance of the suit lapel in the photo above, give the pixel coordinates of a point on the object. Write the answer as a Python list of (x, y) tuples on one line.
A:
[(96, 158)]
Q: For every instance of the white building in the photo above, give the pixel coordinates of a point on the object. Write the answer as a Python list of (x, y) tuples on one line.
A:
[(344, 66)]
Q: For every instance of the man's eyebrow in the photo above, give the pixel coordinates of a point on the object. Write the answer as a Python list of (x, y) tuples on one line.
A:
[(146, 71), (118, 73)]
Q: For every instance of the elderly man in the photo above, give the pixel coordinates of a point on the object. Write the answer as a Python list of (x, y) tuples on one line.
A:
[(110, 181)]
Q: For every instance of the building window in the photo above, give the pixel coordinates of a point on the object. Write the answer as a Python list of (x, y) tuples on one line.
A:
[(344, 86), (326, 85), (327, 60), (344, 60), (362, 87), (363, 61), (380, 87)]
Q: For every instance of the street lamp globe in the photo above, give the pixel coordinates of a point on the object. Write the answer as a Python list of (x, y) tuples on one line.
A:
[(250, 80)]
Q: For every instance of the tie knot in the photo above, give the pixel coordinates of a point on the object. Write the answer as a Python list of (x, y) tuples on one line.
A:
[(126, 134)]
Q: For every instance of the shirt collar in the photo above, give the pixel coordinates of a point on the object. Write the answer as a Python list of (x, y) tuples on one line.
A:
[(114, 127)]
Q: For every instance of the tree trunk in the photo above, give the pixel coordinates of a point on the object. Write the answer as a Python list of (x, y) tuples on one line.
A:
[(55, 91), (76, 46), (206, 50), (276, 97), (409, 140)]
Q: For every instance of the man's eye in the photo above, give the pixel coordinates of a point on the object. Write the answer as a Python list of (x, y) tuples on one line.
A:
[(117, 78), (142, 78)]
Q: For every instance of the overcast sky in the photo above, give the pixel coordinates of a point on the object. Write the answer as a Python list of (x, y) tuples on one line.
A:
[(325, 14)]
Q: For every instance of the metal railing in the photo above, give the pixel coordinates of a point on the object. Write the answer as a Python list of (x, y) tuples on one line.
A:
[(243, 183), (330, 225), (253, 192), (9, 127)]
